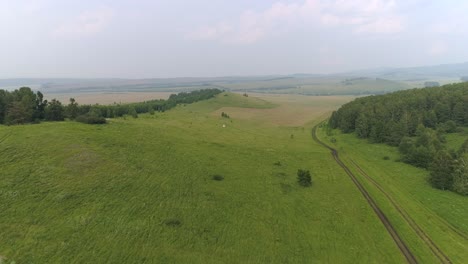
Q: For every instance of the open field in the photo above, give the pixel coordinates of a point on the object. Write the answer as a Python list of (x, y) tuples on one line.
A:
[(110, 98), (142, 190), (433, 218), (275, 84), (291, 110)]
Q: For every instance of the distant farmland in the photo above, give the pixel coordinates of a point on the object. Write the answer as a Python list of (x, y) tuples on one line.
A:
[(295, 84)]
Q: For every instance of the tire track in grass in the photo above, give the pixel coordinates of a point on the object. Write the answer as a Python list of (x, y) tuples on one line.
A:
[(5, 137), (427, 240), (390, 229), (450, 226)]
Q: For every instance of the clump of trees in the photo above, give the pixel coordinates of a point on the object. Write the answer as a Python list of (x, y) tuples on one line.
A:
[(415, 121), (224, 115), (23, 106), (304, 178)]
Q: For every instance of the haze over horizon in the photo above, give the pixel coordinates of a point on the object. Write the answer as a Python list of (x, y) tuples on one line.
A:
[(144, 39)]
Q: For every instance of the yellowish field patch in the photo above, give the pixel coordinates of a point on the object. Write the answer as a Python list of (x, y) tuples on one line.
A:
[(292, 110), (110, 98)]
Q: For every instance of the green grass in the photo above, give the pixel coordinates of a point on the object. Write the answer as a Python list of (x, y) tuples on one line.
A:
[(435, 211), (142, 191)]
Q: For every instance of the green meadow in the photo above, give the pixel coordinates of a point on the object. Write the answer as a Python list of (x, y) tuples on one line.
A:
[(189, 186), (441, 215), (143, 191)]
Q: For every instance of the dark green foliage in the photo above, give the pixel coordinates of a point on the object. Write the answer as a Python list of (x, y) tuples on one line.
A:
[(415, 121), (217, 177), (20, 106), (173, 222), (387, 118), (224, 115), (463, 148), (24, 106), (386, 158), (17, 113), (54, 111), (41, 104), (278, 163), (460, 175), (449, 127), (442, 168), (303, 178), (151, 110), (133, 112), (72, 109)]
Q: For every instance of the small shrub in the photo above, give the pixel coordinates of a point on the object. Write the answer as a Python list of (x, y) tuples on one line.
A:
[(173, 222), (386, 157), (278, 163), (217, 177), (303, 178), (333, 140)]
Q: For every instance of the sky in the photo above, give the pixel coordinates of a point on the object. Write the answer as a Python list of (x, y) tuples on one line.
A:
[(174, 38)]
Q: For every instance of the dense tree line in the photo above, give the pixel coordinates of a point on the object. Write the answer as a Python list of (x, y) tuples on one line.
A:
[(23, 106), (415, 121)]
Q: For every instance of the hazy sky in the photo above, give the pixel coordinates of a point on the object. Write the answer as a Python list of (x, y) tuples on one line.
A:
[(143, 38)]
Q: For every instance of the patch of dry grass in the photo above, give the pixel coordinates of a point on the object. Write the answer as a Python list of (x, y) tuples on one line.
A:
[(110, 98), (292, 110)]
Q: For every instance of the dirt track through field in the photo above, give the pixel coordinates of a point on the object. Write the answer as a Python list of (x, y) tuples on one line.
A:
[(391, 230), (427, 240), (4, 137)]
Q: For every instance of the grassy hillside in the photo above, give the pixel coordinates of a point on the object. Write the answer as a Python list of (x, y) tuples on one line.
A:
[(441, 215), (142, 191)]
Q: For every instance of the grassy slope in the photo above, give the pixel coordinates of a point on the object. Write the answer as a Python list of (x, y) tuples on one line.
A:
[(432, 209), (75, 193)]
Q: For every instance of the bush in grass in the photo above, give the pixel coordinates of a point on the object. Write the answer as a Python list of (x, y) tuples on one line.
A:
[(386, 157), (303, 178), (90, 119), (278, 163), (173, 222), (217, 177)]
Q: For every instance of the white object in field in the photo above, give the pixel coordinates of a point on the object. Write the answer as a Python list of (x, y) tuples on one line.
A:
[(224, 125)]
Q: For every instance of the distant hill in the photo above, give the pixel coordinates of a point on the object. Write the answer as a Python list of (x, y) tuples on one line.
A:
[(443, 71), (306, 84), (371, 81)]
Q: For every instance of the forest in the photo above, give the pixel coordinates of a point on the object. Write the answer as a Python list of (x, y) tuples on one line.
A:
[(415, 121), (23, 106)]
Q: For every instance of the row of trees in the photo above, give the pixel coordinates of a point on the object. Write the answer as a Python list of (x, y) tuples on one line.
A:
[(25, 106), (415, 121)]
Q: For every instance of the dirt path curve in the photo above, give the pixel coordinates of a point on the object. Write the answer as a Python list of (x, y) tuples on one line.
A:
[(427, 240), (391, 230)]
